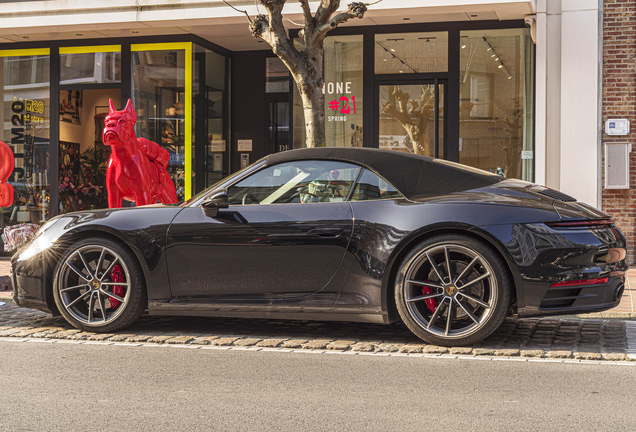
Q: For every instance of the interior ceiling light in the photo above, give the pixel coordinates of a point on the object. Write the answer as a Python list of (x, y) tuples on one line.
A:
[(463, 46), (500, 66), (394, 43)]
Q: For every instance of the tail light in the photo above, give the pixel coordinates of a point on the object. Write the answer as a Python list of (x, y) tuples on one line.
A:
[(602, 223), (579, 282)]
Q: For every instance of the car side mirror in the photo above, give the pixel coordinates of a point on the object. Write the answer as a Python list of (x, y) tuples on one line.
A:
[(214, 202)]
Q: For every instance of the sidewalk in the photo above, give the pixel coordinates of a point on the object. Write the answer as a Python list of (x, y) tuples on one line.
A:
[(626, 309)]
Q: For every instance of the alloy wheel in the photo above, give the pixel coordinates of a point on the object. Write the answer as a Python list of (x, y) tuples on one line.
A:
[(450, 290), (94, 285)]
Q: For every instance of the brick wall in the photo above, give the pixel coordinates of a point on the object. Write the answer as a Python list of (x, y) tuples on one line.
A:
[(619, 101)]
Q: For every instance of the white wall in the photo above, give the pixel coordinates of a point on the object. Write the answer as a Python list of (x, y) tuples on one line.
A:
[(579, 100), (567, 97)]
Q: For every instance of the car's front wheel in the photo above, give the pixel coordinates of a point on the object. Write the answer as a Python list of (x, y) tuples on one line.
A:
[(452, 290), (99, 286)]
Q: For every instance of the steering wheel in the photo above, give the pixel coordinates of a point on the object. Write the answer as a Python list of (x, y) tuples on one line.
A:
[(251, 197), (294, 198)]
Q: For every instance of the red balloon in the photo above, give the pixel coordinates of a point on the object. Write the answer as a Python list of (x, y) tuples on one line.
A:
[(7, 163)]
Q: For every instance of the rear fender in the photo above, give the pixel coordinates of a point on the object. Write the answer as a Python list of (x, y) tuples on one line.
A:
[(489, 235)]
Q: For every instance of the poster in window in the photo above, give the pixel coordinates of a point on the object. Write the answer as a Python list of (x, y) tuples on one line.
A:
[(71, 102)]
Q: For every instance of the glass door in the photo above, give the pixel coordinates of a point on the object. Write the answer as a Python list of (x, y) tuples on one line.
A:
[(411, 116), (278, 125)]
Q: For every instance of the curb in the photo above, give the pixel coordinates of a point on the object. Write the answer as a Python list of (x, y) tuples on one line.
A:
[(577, 358), (63, 334)]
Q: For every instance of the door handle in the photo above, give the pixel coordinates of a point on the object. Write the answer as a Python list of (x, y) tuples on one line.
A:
[(326, 232)]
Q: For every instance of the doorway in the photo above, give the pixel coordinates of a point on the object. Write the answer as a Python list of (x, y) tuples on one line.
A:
[(278, 121), (410, 117)]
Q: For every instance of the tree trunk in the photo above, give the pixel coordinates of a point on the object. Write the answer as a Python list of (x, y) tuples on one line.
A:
[(306, 66), (314, 110)]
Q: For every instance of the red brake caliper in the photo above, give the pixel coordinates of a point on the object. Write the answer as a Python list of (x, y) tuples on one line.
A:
[(118, 290), (431, 303)]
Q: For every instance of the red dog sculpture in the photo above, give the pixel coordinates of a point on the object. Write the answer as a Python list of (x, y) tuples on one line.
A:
[(7, 163), (137, 167)]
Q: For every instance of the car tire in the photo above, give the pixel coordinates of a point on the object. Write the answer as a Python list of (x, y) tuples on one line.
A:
[(452, 290), (99, 286)]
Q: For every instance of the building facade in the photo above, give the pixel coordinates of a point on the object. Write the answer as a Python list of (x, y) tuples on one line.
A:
[(508, 86)]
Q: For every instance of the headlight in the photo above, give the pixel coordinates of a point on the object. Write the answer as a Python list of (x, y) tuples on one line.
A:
[(38, 243)]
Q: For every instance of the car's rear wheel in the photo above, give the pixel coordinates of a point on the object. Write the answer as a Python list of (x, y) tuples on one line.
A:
[(99, 286), (452, 290)]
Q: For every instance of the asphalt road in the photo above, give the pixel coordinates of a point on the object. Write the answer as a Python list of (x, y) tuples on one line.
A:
[(72, 387)]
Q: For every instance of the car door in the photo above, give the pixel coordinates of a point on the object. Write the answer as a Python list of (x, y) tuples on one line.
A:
[(283, 235)]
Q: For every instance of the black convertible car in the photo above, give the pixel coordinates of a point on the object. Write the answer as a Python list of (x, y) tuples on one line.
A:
[(334, 234)]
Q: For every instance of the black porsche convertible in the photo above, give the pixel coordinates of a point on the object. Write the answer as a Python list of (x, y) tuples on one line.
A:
[(333, 234)]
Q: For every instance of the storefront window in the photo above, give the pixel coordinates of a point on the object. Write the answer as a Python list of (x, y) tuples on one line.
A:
[(90, 65), (343, 94), (162, 97), (496, 107), (26, 109), (211, 150), (407, 118), (276, 76), (411, 53)]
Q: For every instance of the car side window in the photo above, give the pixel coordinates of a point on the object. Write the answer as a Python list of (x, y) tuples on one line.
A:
[(373, 187), (303, 182)]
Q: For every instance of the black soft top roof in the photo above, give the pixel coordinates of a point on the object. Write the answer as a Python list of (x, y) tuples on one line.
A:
[(416, 177)]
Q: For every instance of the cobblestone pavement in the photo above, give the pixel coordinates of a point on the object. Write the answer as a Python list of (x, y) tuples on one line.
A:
[(563, 339), (600, 336)]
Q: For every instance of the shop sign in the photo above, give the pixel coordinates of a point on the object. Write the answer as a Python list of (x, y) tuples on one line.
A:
[(340, 104), (23, 119), (244, 145)]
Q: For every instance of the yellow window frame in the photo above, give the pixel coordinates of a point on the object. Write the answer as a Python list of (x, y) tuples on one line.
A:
[(90, 49), (187, 47), (25, 52)]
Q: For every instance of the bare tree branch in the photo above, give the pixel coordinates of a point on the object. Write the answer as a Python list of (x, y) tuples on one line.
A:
[(306, 11), (294, 23), (354, 10), (325, 10), (238, 10)]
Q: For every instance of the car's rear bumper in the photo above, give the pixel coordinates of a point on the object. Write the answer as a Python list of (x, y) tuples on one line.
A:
[(578, 299), (556, 268)]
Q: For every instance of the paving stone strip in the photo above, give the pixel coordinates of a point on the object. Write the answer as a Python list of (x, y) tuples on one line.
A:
[(549, 338)]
